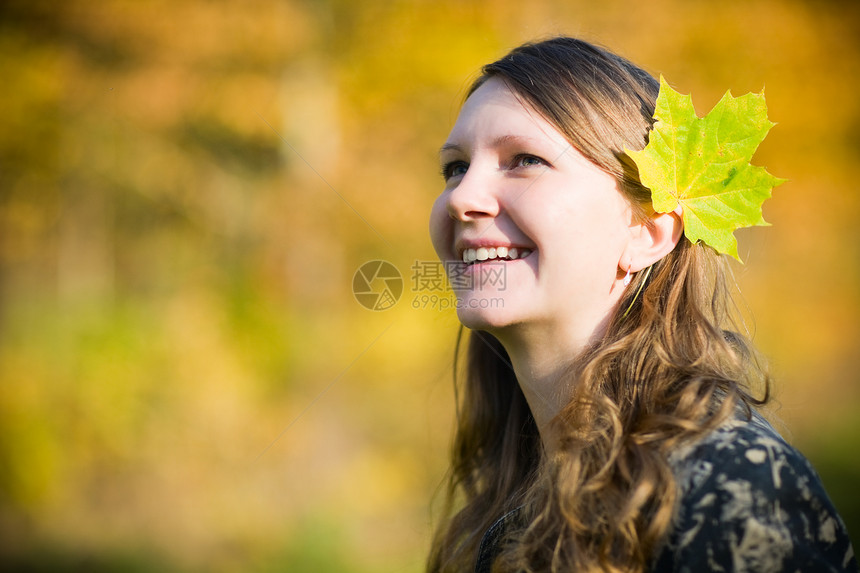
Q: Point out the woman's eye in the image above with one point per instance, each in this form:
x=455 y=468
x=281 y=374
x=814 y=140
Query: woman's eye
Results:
x=528 y=161
x=454 y=169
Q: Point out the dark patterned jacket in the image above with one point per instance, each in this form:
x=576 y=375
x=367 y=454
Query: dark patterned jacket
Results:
x=750 y=503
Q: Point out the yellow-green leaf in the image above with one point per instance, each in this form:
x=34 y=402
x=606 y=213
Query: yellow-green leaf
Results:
x=703 y=165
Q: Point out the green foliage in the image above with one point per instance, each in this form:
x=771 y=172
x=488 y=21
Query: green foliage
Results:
x=63 y=559
x=317 y=545
x=702 y=164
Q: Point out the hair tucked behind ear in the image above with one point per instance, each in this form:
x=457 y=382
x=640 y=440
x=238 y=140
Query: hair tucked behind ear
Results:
x=670 y=370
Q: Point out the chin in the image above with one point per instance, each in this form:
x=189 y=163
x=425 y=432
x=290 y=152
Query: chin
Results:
x=483 y=313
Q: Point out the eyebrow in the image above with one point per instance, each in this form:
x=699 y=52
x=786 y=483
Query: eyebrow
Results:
x=497 y=142
x=450 y=147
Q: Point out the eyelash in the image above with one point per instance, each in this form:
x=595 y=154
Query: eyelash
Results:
x=448 y=168
x=519 y=158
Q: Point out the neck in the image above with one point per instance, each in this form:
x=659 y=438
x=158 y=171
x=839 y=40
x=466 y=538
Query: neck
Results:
x=544 y=361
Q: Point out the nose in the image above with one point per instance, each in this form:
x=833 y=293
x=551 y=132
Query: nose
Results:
x=474 y=197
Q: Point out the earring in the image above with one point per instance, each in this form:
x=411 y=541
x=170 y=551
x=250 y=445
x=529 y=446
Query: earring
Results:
x=641 y=286
x=628 y=277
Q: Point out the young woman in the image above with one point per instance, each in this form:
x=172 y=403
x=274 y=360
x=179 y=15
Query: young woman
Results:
x=607 y=421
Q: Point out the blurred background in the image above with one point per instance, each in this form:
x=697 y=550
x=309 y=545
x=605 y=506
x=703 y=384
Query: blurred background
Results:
x=187 y=188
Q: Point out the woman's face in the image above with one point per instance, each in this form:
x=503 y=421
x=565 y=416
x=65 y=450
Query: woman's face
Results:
x=513 y=182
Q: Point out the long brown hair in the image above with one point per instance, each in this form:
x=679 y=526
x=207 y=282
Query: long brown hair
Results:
x=670 y=366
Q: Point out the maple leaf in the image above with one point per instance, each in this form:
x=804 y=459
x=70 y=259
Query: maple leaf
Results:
x=703 y=165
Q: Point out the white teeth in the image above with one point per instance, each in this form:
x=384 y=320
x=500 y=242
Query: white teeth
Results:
x=492 y=253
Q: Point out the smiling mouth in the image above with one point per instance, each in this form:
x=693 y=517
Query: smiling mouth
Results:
x=479 y=255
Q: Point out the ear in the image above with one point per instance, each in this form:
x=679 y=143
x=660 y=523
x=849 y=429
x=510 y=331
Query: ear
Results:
x=651 y=240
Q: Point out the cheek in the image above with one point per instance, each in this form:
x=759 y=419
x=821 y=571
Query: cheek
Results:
x=584 y=237
x=441 y=228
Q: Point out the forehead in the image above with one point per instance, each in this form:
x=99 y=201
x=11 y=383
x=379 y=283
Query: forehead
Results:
x=494 y=110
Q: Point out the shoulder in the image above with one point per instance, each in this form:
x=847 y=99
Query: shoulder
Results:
x=751 y=502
